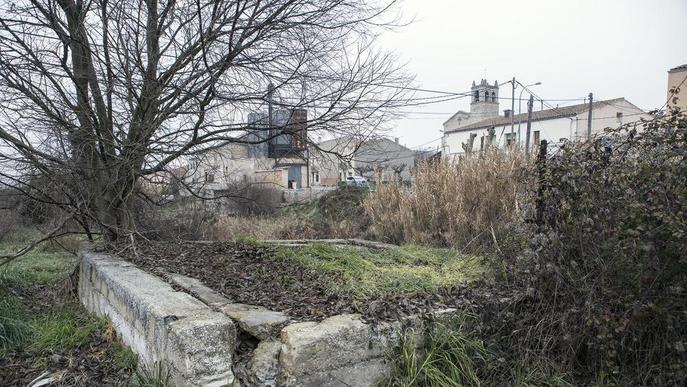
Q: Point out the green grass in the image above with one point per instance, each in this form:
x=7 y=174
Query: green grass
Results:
x=63 y=330
x=451 y=356
x=40 y=328
x=404 y=269
x=125 y=358
x=14 y=328
x=58 y=326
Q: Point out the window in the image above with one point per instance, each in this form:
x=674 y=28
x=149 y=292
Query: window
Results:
x=493 y=96
x=476 y=95
x=481 y=143
x=510 y=139
x=619 y=117
x=209 y=177
x=316 y=177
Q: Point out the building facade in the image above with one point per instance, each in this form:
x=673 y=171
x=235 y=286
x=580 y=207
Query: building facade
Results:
x=272 y=152
x=484 y=127
x=677 y=87
x=339 y=158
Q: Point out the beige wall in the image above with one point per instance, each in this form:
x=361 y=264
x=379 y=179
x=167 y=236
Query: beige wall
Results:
x=674 y=79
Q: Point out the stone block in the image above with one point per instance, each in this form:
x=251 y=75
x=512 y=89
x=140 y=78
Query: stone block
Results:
x=335 y=342
x=362 y=374
x=257 y=321
x=263 y=367
x=199 y=349
x=160 y=324
x=198 y=290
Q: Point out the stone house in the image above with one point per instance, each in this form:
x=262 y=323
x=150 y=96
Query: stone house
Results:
x=338 y=158
x=483 y=126
x=276 y=156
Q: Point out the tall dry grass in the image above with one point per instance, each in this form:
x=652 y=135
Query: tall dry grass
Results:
x=262 y=227
x=470 y=204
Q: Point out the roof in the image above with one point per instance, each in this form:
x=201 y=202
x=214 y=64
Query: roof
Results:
x=455 y=114
x=548 y=114
x=678 y=68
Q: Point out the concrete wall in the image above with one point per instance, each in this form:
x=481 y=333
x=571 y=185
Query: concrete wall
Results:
x=164 y=327
x=195 y=337
x=302 y=195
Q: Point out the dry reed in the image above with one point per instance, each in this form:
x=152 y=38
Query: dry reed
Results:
x=468 y=204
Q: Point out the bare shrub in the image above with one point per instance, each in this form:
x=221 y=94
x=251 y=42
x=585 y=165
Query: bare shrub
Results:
x=612 y=253
x=255 y=198
x=337 y=214
x=341 y=213
x=260 y=227
x=11 y=223
x=474 y=203
x=186 y=219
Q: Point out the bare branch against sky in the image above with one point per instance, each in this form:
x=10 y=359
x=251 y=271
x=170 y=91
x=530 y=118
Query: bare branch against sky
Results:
x=613 y=48
x=96 y=94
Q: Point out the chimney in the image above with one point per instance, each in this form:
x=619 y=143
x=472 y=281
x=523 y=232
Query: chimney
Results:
x=507 y=113
x=396 y=139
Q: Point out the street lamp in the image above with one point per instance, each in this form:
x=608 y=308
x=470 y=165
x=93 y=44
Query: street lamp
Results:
x=524 y=87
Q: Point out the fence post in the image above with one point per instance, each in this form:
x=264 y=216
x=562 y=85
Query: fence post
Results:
x=541 y=171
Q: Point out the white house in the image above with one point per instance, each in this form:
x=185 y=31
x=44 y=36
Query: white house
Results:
x=469 y=132
x=336 y=159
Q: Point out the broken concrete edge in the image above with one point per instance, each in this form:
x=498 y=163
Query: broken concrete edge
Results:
x=339 y=350
x=344 y=350
x=257 y=321
x=196 y=332
x=170 y=330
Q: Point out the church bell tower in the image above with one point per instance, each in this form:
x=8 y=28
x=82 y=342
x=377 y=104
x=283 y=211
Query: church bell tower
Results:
x=485 y=100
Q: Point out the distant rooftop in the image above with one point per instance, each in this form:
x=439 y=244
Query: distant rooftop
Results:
x=548 y=114
x=678 y=68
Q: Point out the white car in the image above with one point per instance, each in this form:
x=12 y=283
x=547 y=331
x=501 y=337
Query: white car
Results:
x=357 y=181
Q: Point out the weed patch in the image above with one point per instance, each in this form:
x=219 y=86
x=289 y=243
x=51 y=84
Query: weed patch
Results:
x=14 y=330
x=452 y=356
x=407 y=269
x=44 y=329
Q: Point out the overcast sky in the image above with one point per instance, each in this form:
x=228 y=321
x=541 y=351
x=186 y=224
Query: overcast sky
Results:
x=613 y=48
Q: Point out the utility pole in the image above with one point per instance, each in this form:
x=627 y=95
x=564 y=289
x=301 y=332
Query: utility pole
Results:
x=529 y=126
x=270 y=91
x=512 y=109
x=589 y=117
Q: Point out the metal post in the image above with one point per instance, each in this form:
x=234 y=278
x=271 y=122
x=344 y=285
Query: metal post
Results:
x=512 y=109
x=589 y=117
x=529 y=125
x=541 y=169
x=270 y=91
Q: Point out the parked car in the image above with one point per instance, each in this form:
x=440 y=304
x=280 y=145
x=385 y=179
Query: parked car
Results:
x=357 y=181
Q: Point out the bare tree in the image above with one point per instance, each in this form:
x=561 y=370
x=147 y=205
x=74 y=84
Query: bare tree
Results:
x=95 y=94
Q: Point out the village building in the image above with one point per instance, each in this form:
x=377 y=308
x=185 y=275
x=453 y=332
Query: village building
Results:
x=677 y=80
x=267 y=154
x=374 y=158
x=483 y=126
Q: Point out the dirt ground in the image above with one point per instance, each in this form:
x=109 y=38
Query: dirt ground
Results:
x=249 y=273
